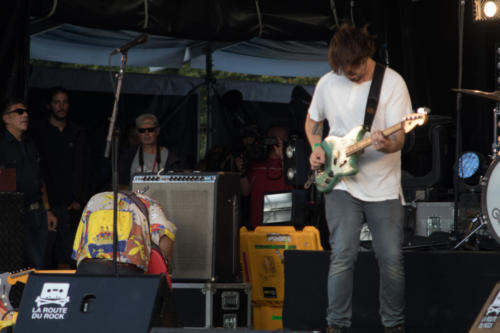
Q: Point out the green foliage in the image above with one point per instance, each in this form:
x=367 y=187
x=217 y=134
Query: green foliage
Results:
x=185 y=70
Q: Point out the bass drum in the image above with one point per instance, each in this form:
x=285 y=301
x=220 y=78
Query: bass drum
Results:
x=490 y=199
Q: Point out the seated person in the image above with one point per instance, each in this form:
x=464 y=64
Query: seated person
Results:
x=93 y=246
x=264 y=176
x=148 y=155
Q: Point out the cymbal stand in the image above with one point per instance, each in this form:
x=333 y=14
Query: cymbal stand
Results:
x=482 y=222
x=496 y=125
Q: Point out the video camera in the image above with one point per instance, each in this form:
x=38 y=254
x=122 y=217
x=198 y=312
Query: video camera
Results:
x=260 y=145
x=259 y=150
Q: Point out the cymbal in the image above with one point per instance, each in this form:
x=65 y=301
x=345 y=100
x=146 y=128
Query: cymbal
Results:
x=494 y=95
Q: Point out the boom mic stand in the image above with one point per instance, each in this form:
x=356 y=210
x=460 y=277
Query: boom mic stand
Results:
x=112 y=138
x=112 y=143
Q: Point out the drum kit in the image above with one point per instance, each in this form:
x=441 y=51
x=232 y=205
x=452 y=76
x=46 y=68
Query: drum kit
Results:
x=490 y=182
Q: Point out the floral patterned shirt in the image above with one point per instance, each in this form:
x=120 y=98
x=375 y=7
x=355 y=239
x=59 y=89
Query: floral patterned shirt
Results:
x=94 y=236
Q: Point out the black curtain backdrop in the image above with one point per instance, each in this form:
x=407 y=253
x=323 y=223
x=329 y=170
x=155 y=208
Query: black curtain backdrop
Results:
x=14 y=49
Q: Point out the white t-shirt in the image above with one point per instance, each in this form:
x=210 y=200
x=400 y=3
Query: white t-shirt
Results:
x=342 y=103
x=149 y=162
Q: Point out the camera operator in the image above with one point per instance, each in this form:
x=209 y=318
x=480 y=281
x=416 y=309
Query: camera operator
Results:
x=263 y=175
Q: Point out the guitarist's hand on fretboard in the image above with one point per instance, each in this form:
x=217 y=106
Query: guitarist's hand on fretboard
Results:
x=379 y=141
x=317 y=158
x=386 y=143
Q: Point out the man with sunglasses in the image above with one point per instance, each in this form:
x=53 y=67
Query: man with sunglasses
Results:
x=18 y=151
x=149 y=155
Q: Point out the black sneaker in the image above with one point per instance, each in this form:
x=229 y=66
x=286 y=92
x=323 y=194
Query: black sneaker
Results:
x=395 y=329
x=337 y=329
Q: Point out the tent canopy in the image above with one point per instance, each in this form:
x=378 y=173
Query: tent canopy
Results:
x=280 y=38
x=212 y=20
x=91 y=46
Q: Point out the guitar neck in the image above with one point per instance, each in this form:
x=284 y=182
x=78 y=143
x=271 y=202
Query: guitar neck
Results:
x=366 y=142
x=23 y=276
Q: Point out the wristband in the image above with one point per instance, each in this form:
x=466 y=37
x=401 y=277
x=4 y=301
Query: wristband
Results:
x=316 y=145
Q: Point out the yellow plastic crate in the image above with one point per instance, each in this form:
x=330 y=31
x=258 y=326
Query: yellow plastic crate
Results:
x=267 y=317
x=262 y=257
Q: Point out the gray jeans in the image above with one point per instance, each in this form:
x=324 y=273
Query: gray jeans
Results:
x=345 y=216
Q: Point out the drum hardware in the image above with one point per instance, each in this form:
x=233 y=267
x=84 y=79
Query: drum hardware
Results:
x=494 y=95
x=482 y=222
x=496 y=144
x=490 y=194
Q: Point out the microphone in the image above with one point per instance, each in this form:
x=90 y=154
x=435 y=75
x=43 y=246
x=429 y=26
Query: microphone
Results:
x=141 y=39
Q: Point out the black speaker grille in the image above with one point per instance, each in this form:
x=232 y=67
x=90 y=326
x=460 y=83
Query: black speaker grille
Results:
x=12 y=231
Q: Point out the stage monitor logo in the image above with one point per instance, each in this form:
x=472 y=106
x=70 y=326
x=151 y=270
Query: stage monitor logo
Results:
x=51 y=304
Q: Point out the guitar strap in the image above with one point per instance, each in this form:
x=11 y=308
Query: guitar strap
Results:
x=142 y=207
x=138 y=202
x=373 y=96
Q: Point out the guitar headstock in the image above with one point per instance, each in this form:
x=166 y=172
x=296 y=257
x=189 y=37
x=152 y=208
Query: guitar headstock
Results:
x=20 y=276
x=415 y=119
x=23 y=275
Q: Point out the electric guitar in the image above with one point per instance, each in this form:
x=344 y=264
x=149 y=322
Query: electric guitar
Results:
x=342 y=153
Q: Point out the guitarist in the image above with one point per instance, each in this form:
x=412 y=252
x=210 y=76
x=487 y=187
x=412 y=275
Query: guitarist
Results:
x=374 y=193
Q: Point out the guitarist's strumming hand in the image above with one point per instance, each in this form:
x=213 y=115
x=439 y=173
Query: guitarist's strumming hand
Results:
x=317 y=158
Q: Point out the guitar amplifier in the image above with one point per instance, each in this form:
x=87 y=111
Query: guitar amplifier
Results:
x=204 y=207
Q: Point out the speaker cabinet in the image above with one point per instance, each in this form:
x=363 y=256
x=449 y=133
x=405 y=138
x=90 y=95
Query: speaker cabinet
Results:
x=296 y=161
x=204 y=207
x=61 y=303
x=12 y=234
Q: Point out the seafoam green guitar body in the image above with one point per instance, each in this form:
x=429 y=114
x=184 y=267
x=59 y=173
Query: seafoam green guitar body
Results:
x=338 y=162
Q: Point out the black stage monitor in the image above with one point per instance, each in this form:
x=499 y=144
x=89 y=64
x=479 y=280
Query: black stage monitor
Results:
x=60 y=303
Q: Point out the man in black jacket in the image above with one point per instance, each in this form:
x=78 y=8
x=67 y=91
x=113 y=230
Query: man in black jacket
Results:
x=64 y=149
x=18 y=151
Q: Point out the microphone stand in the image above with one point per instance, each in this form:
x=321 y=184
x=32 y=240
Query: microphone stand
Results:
x=112 y=143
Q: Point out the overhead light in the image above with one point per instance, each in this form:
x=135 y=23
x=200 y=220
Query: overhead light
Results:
x=490 y=9
x=486 y=10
